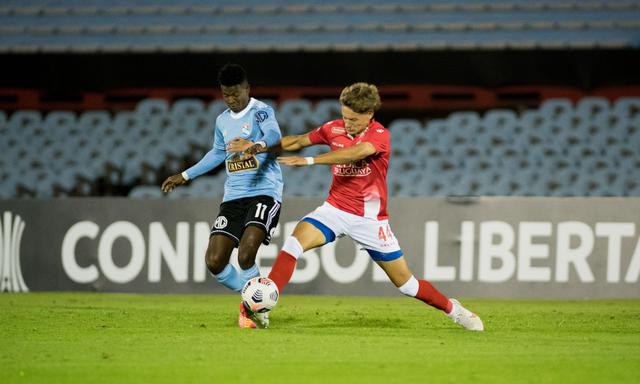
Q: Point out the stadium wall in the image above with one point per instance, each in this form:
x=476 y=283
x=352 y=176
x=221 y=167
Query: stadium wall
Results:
x=62 y=74
x=486 y=247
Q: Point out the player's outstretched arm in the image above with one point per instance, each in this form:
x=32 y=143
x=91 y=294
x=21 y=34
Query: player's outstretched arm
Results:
x=171 y=182
x=212 y=159
x=295 y=142
x=288 y=143
x=340 y=156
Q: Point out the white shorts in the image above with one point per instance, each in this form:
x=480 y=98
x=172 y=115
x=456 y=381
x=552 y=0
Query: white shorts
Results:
x=375 y=236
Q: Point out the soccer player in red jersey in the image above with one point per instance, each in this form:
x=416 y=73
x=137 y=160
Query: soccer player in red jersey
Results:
x=357 y=203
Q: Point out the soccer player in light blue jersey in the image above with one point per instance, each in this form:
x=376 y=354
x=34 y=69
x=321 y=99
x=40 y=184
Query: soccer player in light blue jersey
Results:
x=253 y=191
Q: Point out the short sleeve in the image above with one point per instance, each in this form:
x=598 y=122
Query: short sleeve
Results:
x=380 y=140
x=319 y=135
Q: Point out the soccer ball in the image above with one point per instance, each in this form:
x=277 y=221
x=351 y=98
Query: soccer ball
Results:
x=260 y=294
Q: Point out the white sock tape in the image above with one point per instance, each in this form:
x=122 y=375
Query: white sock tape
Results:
x=292 y=246
x=410 y=288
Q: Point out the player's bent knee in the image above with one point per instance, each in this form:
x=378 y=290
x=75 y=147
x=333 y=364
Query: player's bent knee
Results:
x=246 y=258
x=410 y=288
x=215 y=261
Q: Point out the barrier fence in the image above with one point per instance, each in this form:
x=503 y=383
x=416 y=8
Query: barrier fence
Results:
x=485 y=247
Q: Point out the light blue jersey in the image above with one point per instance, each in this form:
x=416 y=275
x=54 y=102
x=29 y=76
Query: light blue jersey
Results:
x=259 y=175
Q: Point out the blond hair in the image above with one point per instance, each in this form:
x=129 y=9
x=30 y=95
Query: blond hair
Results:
x=361 y=97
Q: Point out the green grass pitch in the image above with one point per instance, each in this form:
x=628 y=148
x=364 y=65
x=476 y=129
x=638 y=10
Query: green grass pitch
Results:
x=120 y=338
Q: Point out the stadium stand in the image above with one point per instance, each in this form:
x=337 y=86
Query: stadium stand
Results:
x=318 y=25
x=591 y=148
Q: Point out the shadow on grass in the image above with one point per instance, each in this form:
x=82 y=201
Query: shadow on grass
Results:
x=342 y=320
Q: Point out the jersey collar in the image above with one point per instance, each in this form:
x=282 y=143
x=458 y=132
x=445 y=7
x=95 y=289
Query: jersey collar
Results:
x=361 y=133
x=246 y=109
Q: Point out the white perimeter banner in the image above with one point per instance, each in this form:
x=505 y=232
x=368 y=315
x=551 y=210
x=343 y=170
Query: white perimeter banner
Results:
x=484 y=247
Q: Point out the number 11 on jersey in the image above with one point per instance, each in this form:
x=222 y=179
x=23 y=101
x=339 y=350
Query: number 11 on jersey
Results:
x=260 y=210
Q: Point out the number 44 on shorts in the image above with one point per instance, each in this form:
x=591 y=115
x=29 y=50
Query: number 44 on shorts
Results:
x=384 y=233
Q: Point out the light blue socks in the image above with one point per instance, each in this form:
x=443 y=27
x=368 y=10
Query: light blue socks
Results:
x=230 y=278
x=248 y=274
x=234 y=280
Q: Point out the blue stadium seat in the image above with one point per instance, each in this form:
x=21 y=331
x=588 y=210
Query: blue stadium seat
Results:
x=592 y=106
x=467 y=122
x=632 y=187
x=410 y=127
x=533 y=120
x=554 y=153
x=202 y=187
x=326 y=110
x=553 y=108
x=94 y=121
x=294 y=116
x=501 y=121
x=23 y=120
x=628 y=107
x=120 y=26
x=152 y=107
x=215 y=108
x=187 y=107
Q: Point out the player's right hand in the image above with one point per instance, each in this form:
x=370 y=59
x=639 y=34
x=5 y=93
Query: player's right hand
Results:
x=172 y=181
x=238 y=145
x=254 y=150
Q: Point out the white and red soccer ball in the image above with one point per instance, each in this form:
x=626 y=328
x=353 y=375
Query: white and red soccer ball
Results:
x=260 y=294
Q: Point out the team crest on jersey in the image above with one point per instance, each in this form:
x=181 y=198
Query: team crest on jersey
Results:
x=358 y=168
x=337 y=130
x=261 y=116
x=246 y=129
x=220 y=222
x=235 y=164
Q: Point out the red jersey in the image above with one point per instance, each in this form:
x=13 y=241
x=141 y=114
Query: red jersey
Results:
x=359 y=187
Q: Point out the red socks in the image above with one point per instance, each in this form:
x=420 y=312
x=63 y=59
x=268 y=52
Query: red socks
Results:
x=285 y=265
x=429 y=295
x=282 y=269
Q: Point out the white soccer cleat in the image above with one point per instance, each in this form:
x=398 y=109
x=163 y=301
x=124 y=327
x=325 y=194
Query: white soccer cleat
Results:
x=261 y=319
x=464 y=317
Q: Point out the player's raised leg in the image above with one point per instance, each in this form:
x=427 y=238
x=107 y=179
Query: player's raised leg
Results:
x=402 y=277
x=308 y=234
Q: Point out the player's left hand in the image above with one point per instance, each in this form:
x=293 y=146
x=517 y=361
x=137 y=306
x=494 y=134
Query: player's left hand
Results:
x=172 y=181
x=238 y=145
x=295 y=161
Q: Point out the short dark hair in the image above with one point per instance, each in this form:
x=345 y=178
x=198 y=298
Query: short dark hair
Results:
x=231 y=74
